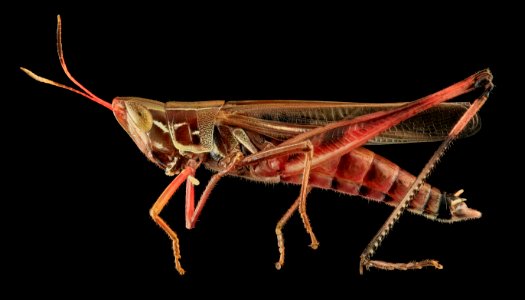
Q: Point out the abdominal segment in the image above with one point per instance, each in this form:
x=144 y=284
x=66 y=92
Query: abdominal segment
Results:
x=361 y=172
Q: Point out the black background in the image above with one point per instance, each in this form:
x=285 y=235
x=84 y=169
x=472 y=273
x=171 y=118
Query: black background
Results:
x=80 y=218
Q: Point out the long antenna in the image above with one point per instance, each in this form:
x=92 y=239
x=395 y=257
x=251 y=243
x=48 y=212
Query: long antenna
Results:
x=86 y=92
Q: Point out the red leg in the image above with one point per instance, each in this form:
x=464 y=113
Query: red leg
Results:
x=190 y=201
x=192 y=213
x=279 y=229
x=237 y=161
x=161 y=203
x=484 y=79
x=305 y=147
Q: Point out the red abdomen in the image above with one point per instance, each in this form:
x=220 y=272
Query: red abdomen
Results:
x=362 y=172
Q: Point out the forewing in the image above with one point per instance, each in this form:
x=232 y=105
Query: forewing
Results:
x=282 y=119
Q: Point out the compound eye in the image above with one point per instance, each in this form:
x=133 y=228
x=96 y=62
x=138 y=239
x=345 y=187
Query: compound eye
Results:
x=140 y=116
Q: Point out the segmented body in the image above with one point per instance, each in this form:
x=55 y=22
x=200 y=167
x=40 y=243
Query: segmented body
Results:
x=365 y=173
x=356 y=171
x=359 y=172
x=311 y=143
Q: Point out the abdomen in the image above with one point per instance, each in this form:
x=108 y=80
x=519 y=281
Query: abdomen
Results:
x=364 y=173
